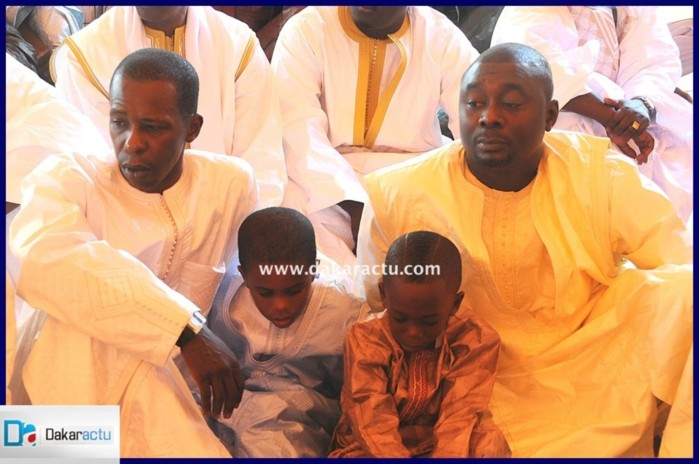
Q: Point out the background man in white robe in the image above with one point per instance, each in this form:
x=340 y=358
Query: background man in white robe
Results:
x=615 y=71
x=359 y=89
x=120 y=257
x=238 y=99
x=45 y=28
x=39 y=123
x=578 y=262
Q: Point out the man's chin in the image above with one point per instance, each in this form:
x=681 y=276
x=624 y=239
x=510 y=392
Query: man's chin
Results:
x=494 y=160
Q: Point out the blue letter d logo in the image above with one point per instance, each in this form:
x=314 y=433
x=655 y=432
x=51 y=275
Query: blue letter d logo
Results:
x=16 y=431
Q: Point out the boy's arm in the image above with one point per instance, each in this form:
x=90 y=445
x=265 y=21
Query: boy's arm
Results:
x=467 y=387
x=366 y=401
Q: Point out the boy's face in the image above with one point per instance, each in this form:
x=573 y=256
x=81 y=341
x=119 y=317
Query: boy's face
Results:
x=280 y=298
x=417 y=311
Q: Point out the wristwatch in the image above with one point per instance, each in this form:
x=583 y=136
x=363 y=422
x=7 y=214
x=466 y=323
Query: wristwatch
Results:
x=649 y=105
x=193 y=327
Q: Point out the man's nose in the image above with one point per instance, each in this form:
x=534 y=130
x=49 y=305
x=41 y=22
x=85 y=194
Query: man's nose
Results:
x=490 y=116
x=134 y=141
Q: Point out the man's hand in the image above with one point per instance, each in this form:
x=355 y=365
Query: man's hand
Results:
x=643 y=140
x=216 y=372
x=645 y=143
x=629 y=119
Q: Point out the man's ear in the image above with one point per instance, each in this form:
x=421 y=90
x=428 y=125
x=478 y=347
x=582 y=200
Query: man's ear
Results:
x=457 y=303
x=551 y=114
x=195 y=123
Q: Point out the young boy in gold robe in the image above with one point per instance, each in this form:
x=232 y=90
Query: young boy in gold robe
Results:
x=418 y=377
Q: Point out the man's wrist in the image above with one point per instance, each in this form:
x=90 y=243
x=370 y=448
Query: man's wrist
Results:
x=193 y=327
x=649 y=106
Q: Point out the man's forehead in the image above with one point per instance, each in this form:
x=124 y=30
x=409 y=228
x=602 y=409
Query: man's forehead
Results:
x=480 y=73
x=125 y=84
x=151 y=99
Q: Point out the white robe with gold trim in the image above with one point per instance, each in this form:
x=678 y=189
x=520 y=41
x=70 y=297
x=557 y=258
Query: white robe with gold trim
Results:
x=241 y=117
x=39 y=122
x=322 y=60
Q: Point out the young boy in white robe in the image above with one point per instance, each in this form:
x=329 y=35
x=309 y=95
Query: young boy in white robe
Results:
x=287 y=328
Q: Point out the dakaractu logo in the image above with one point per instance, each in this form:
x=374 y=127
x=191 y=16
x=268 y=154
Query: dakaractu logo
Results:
x=18 y=433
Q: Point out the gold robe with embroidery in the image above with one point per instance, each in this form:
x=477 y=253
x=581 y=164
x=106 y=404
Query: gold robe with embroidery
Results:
x=428 y=403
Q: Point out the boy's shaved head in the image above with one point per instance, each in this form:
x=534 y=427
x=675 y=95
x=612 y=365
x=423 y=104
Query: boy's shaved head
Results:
x=420 y=288
x=410 y=255
x=276 y=236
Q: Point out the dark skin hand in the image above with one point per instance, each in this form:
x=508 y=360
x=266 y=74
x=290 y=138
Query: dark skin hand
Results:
x=9 y=207
x=684 y=95
x=626 y=112
x=644 y=141
x=591 y=106
x=620 y=130
x=216 y=372
x=617 y=117
x=354 y=209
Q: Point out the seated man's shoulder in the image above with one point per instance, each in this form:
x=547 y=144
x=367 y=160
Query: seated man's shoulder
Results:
x=430 y=14
x=419 y=169
x=574 y=139
x=111 y=18
x=77 y=175
x=438 y=26
x=314 y=13
x=224 y=165
x=572 y=146
x=80 y=163
x=312 y=20
x=221 y=176
x=219 y=17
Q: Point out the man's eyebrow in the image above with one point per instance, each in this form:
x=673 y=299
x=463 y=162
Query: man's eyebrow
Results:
x=512 y=86
x=473 y=85
x=506 y=86
x=154 y=120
